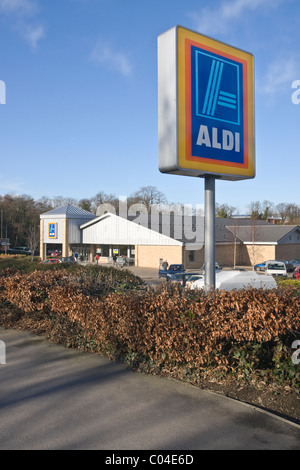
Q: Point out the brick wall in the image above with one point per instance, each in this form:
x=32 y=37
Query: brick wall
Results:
x=147 y=256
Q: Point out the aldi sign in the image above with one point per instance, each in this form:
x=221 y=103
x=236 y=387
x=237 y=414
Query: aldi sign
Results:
x=205 y=107
x=52 y=230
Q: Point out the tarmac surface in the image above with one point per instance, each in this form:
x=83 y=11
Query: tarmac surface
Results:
x=53 y=398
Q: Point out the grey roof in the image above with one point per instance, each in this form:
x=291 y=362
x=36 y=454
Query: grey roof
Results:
x=226 y=228
x=269 y=233
x=187 y=228
x=69 y=211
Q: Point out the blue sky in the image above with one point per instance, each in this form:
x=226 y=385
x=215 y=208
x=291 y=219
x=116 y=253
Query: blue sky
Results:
x=81 y=95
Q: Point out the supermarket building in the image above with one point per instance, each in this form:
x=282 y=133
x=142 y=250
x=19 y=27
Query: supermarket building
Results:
x=148 y=240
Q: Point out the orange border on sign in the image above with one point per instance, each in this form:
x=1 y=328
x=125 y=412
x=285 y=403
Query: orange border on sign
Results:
x=188 y=108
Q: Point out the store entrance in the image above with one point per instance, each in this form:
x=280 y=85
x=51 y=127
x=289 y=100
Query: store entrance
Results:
x=84 y=253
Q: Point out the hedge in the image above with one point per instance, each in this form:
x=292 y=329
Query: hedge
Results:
x=184 y=334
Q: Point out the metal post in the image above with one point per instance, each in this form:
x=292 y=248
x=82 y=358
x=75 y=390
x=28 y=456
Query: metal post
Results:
x=209 y=235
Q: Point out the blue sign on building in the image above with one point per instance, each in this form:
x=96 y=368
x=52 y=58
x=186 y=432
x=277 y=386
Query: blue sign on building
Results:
x=52 y=230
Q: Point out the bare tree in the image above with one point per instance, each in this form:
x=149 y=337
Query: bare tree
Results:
x=224 y=211
x=33 y=239
x=148 y=196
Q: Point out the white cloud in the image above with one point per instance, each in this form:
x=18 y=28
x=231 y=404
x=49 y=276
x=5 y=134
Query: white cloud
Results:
x=279 y=76
x=103 y=54
x=20 y=14
x=219 y=19
x=20 y=7
x=34 y=34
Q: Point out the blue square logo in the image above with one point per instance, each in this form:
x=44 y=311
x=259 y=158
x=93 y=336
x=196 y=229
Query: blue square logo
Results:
x=52 y=230
x=220 y=98
x=216 y=106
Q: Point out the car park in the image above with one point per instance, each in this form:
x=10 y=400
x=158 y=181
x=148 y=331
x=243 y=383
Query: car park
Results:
x=173 y=269
x=238 y=280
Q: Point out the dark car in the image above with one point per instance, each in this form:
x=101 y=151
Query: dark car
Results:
x=19 y=250
x=295 y=262
x=290 y=268
x=173 y=269
x=181 y=278
x=67 y=259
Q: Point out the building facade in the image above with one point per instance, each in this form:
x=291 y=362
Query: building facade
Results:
x=147 y=241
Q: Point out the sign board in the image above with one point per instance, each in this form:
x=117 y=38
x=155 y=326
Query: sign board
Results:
x=205 y=107
x=52 y=230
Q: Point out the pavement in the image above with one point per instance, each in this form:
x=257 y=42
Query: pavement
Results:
x=54 y=398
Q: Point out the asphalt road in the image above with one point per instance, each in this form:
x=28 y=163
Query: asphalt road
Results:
x=57 y=398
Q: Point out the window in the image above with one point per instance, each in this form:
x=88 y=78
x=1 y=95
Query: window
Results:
x=192 y=256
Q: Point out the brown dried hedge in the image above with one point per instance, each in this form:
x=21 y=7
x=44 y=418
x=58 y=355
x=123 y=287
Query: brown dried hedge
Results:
x=172 y=331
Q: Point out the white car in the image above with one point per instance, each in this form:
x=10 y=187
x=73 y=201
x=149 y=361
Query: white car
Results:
x=276 y=268
x=236 y=280
x=192 y=279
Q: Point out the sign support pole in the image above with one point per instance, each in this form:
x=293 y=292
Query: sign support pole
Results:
x=209 y=234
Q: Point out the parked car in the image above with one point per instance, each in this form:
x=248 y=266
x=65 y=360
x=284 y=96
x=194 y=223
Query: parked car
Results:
x=260 y=266
x=193 y=278
x=181 y=278
x=297 y=273
x=217 y=266
x=23 y=250
x=290 y=268
x=56 y=253
x=237 y=280
x=19 y=250
x=66 y=259
x=51 y=261
x=173 y=269
x=295 y=262
x=276 y=268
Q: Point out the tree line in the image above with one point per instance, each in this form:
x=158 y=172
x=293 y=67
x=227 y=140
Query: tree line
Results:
x=284 y=212
x=20 y=214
